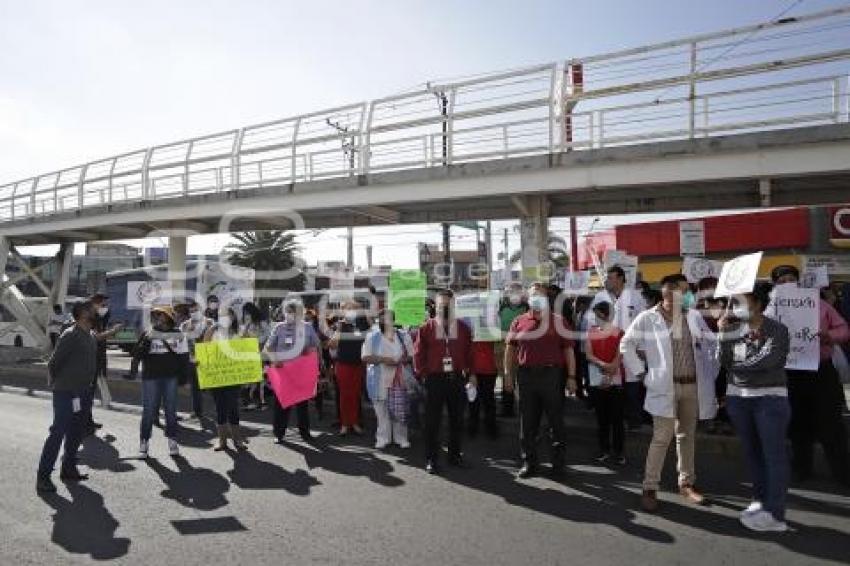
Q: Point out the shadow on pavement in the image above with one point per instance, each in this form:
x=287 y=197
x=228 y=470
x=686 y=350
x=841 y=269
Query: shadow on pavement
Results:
x=198 y=488
x=321 y=454
x=99 y=453
x=249 y=472
x=83 y=524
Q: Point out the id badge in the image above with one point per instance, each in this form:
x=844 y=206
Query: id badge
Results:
x=447 y=364
x=739 y=352
x=76 y=406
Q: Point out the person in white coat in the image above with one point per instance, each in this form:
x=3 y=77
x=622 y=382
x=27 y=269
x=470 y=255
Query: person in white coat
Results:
x=675 y=352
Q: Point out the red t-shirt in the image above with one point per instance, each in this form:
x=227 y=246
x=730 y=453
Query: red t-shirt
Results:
x=540 y=342
x=484 y=358
x=604 y=344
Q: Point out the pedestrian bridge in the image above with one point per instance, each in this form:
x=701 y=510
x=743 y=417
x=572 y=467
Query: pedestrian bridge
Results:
x=755 y=116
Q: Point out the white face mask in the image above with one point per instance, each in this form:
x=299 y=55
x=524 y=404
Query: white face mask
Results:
x=538 y=303
x=101 y=311
x=224 y=321
x=351 y=316
x=515 y=300
x=741 y=312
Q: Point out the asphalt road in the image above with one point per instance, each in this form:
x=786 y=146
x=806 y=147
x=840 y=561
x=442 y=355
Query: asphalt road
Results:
x=340 y=502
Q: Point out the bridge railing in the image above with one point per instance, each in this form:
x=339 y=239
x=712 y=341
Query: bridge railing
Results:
x=781 y=74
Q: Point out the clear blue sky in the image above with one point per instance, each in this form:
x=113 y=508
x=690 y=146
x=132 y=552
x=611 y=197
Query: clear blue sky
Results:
x=84 y=80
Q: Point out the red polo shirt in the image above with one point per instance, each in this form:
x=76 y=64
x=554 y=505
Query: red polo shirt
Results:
x=431 y=346
x=538 y=343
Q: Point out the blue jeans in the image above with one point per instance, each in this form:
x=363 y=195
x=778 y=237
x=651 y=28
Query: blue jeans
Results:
x=762 y=425
x=68 y=426
x=155 y=392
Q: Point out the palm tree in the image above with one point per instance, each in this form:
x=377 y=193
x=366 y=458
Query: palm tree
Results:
x=556 y=252
x=274 y=255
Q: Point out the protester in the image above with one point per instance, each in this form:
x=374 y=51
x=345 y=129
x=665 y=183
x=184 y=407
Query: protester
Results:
x=754 y=349
x=540 y=348
x=254 y=326
x=56 y=323
x=194 y=329
x=103 y=332
x=164 y=354
x=484 y=368
x=226 y=398
x=817 y=398
x=289 y=339
x=350 y=372
x=513 y=304
x=443 y=360
x=71 y=369
x=213 y=304
x=678 y=364
x=605 y=375
x=581 y=318
x=389 y=351
x=628 y=304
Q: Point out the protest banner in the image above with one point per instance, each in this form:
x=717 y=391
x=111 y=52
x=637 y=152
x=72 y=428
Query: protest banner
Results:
x=815 y=277
x=696 y=268
x=295 y=380
x=481 y=312
x=738 y=275
x=228 y=362
x=408 y=290
x=799 y=310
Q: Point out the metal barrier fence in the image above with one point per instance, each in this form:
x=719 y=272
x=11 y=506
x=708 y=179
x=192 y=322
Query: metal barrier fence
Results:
x=781 y=74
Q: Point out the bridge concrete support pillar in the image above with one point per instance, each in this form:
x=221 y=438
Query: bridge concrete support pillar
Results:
x=5 y=247
x=177 y=265
x=59 y=289
x=534 y=236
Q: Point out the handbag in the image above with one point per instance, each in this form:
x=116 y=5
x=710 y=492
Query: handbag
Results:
x=397 y=399
x=414 y=388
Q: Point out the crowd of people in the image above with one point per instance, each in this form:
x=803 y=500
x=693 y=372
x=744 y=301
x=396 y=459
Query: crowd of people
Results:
x=669 y=357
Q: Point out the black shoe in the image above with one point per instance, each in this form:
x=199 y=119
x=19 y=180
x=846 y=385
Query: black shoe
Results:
x=72 y=475
x=527 y=471
x=96 y=426
x=558 y=471
x=472 y=431
x=432 y=468
x=45 y=485
x=307 y=437
x=458 y=462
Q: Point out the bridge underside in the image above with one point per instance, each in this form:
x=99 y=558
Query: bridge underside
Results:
x=805 y=166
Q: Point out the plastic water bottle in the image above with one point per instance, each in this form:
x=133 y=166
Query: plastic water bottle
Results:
x=471 y=392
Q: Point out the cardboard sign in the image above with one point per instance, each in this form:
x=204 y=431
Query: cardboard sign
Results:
x=295 y=380
x=696 y=268
x=738 y=275
x=228 y=362
x=815 y=277
x=799 y=310
x=481 y=312
x=408 y=289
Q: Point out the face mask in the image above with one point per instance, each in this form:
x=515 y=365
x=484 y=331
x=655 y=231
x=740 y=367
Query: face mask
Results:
x=224 y=321
x=213 y=306
x=688 y=301
x=515 y=300
x=350 y=316
x=289 y=317
x=741 y=312
x=101 y=311
x=538 y=303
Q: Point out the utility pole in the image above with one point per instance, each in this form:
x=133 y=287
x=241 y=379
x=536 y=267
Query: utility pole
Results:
x=573 y=244
x=443 y=106
x=350 y=255
x=349 y=150
x=507 y=257
x=488 y=247
x=369 y=257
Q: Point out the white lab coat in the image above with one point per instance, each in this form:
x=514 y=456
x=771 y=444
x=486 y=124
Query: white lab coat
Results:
x=626 y=307
x=649 y=334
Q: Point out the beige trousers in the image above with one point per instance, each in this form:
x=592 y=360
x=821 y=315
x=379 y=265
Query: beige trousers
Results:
x=683 y=426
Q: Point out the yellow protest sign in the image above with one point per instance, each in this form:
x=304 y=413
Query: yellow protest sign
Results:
x=228 y=362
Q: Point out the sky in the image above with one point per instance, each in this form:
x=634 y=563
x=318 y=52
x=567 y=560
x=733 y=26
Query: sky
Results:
x=86 y=80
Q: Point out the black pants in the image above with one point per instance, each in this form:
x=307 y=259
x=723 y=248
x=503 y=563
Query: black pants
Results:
x=540 y=391
x=197 y=392
x=227 y=404
x=609 y=406
x=487 y=400
x=443 y=389
x=281 y=418
x=817 y=402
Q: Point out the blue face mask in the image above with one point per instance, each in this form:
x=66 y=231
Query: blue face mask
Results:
x=538 y=303
x=688 y=301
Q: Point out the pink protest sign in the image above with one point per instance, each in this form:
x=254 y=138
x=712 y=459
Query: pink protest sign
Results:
x=295 y=380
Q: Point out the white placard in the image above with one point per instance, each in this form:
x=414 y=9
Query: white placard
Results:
x=628 y=263
x=738 y=275
x=799 y=310
x=815 y=277
x=145 y=294
x=696 y=268
x=576 y=282
x=692 y=237
x=481 y=312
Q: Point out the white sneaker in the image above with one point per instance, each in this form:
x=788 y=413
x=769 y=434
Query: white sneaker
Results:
x=404 y=445
x=762 y=521
x=753 y=508
x=173 y=448
x=143 y=449
x=380 y=445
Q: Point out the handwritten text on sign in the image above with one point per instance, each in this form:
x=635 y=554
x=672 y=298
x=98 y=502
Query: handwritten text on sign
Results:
x=799 y=310
x=228 y=362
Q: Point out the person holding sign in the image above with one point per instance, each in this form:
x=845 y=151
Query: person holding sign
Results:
x=539 y=344
x=678 y=364
x=753 y=349
x=817 y=397
x=288 y=340
x=226 y=398
x=443 y=359
x=164 y=354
